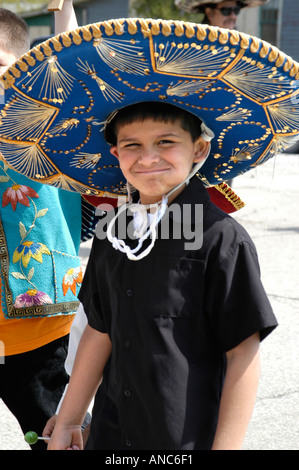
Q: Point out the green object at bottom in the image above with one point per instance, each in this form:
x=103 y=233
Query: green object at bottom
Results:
x=31 y=437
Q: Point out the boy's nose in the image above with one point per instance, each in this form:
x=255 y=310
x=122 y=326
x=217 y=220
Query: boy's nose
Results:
x=148 y=157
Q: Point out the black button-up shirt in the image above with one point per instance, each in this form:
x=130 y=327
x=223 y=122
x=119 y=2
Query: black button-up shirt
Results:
x=171 y=317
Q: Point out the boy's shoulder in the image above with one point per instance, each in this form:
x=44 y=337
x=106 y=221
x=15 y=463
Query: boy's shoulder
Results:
x=225 y=238
x=218 y=220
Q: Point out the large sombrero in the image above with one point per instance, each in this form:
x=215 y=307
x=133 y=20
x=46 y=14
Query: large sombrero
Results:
x=198 y=6
x=58 y=97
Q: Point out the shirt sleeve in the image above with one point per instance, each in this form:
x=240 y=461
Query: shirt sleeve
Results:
x=236 y=301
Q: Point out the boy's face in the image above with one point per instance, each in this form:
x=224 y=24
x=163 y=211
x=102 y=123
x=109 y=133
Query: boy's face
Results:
x=155 y=157
x=6 y=60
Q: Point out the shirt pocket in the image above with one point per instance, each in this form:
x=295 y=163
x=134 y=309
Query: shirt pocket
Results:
x=177 y=287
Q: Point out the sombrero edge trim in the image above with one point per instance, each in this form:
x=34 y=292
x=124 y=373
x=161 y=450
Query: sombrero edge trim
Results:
x=151 y=28
x=230 y=195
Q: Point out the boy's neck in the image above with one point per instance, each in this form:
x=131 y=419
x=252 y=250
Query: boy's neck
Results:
x=148 y=200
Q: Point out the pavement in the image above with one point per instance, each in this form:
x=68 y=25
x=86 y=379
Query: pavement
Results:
x=271 y=216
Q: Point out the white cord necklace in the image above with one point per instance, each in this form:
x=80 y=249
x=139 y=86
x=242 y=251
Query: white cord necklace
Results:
x=140 y=231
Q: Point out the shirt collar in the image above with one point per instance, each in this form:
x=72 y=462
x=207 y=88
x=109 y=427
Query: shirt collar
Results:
x=194 y=193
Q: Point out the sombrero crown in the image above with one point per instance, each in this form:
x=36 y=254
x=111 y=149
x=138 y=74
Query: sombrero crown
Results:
x=58 y=97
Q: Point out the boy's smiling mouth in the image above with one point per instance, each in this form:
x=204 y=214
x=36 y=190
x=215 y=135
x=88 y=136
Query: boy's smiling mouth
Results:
x=152 y=170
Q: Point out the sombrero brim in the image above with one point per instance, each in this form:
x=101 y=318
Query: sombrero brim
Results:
x=58 y=96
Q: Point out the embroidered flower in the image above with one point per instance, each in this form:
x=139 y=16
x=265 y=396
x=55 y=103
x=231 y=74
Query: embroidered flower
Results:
x=70 y=280
x=32 y=297
x=27 y=250
x=18 y=193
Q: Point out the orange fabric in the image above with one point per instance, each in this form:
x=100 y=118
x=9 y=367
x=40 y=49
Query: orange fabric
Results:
x=22 y=335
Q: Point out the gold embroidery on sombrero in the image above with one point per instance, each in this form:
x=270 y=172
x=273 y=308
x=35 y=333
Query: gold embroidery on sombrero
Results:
x=282 y=116
x=185 y=87
x=48 y=136
x=148 y=87
x=120 y=188
x=24 y=118
x=237 y=114
x=249 y=77
x=65 y=182
x=57 y=82
x=234 y=99
x=82 y=108
x=122 y=55
x=86 y=160
x=64 y=125
x=277 y=145
x=184 y=59
x=262 y=133
x=245 y=153
x=27 y=159
x=107 y=90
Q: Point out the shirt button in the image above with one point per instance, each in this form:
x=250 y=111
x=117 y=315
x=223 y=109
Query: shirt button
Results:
x=127 y=393
x=129 y=292
x=127 y=344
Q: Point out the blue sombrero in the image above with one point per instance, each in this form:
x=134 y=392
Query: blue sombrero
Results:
x=58 y=97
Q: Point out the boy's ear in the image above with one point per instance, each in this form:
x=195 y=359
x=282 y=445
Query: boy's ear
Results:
x=202 y=150
x=114 y=151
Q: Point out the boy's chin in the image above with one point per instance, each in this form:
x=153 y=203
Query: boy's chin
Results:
x=153 y=198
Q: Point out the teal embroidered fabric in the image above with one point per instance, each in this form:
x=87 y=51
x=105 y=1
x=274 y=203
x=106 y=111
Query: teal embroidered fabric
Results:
x=40 y=234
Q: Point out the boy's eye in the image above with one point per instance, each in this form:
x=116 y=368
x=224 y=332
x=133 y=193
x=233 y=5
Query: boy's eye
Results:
x=131 y=145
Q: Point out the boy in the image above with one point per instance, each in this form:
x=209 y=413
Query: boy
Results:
x=173 y=331
x=35 y=322
x=11 y=50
